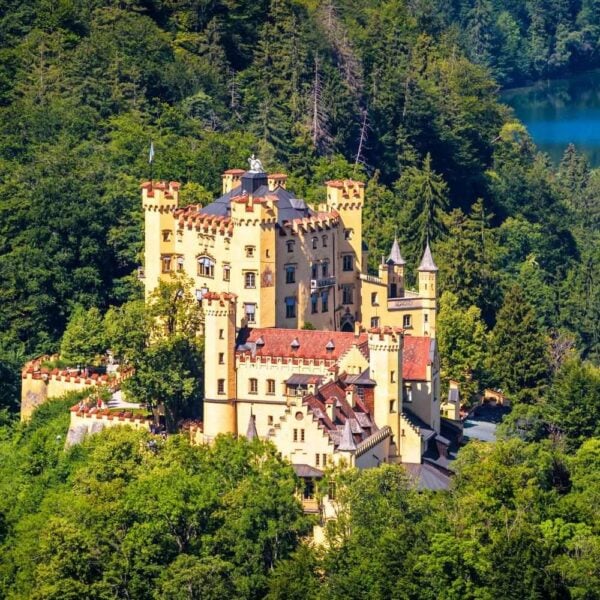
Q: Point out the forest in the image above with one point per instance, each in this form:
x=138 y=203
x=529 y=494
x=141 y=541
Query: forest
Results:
x=401 y=94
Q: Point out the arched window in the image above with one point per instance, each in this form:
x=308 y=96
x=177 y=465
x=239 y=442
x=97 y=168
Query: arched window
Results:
x=206 y=266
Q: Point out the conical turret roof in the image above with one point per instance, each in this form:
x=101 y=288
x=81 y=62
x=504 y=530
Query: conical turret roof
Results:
x=347 y=443
x=427 y=263
x=251 y=432
x=395 y=257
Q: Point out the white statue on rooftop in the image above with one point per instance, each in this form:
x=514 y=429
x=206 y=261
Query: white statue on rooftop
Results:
x=255 y=165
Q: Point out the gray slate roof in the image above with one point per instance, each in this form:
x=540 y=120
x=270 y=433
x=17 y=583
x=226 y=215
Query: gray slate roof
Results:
x=427 y=263
x=395 y=257
x=289 y=206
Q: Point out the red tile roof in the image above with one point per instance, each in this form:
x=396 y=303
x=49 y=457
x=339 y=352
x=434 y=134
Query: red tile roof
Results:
x=278 y=342
x=415 y=357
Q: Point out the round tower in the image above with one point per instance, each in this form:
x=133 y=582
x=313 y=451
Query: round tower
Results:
x=385 y=367
x=428 y=291
x=159 y=200
x=219 y=365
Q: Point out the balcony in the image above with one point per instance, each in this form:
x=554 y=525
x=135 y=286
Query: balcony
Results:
x=317 y=284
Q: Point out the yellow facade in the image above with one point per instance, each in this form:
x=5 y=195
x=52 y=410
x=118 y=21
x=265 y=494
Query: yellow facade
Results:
x=289 y=265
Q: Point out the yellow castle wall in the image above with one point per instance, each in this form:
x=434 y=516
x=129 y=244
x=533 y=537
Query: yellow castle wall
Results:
x=36 y=390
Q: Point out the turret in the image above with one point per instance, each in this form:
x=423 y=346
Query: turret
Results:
x=428 y=290
x=392 y=271
x=159 y=200
x=385 y=364
x=231 y=179
x=347 y=198
x=219 y=365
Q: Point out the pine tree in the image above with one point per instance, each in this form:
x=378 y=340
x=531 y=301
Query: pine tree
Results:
x=518 y=350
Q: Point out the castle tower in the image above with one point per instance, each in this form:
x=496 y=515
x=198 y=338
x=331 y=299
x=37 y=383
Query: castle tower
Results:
x=253 y=250
x=159 y=200
x=231 y=179
x=219 y=365
x=428 y=291
x=347 y=198
x=392 y=271
x=385 y=364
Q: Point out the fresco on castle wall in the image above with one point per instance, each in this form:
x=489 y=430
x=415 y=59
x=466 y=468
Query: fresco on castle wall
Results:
x=266 y=279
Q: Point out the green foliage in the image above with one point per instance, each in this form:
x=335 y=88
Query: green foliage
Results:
x=462 y=340
x=116 y=517
x=84 y=338
x=518 y=355
x=160 y=340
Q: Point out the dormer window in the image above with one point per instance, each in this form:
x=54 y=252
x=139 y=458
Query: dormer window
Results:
x=260 y=342
x=330 y=346
x=295 y=344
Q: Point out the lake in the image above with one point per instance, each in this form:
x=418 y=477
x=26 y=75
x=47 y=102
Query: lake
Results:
x=560 y=112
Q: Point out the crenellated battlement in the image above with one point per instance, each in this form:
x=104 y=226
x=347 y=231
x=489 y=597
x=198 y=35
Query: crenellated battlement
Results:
x=160 y=196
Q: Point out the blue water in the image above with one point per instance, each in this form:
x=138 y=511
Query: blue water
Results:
x=561 y=112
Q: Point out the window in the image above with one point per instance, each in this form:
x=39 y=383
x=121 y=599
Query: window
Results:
x=295 y=435
x=374 y=321
x=226 y=273
x=290 y=245
x=315 y=243
x=347 y=262
x=314 y=271
x=166 y=235
x=324 y=239
x=250 y=311
x=221 y=334
x=302 y=435
x=317 y=459
x=392 y=406
x=374 y=299
x=347 y=294
x=221 y=358
x=220 y=386
x=166 y=264
x=290 y=274
x=267 y=253
x=270 y=420
x=331 y=491
x=348 y=233
x=180 y=263
x=206 y=266
x=324 y=460
x=325 y=301
x=407 y=321
x=270 y=386
x=290 y=307
x=407 y=392
x=425 y=318
x=325 y=268
x=253 y=386
x=314 y=303
x=250 y=251
x=250 y=280
x=392 y=376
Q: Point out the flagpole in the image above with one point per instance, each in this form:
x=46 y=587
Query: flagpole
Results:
x=151 y=159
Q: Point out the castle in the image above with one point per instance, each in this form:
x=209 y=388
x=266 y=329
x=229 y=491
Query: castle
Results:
x=289 y=265
x=303 y=346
